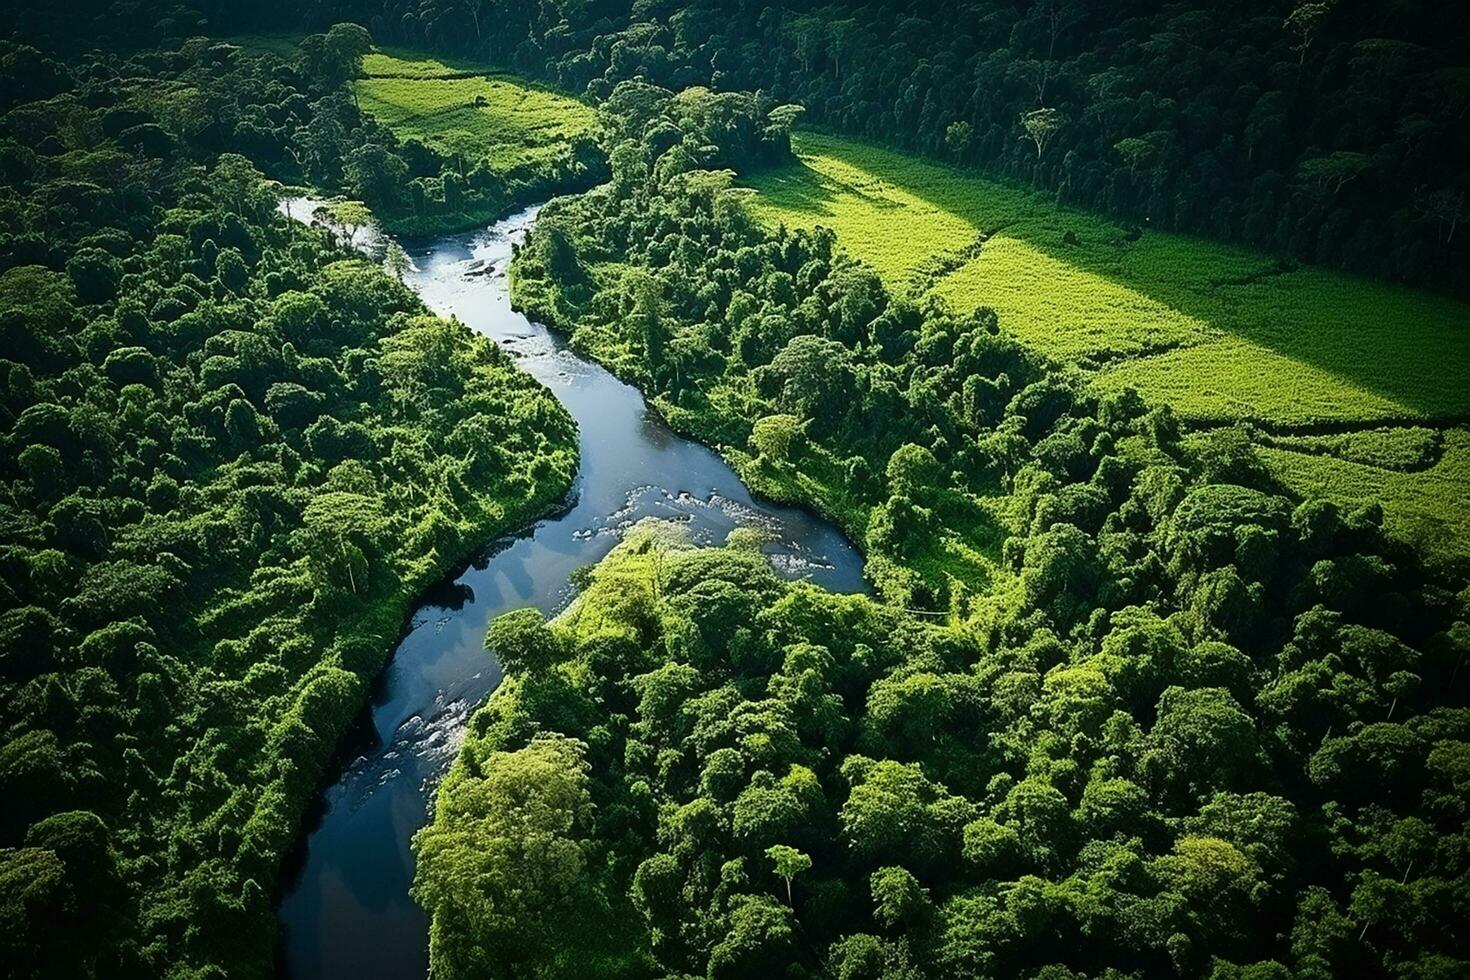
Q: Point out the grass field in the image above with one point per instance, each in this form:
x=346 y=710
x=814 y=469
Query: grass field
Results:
x=459 y=108
x=1222 y=334
x=1219 y=332
x=1424 y=506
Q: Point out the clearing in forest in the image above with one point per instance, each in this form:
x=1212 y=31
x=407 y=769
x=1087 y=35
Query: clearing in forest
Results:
x=1423 y=492
x=1221 y=333
x=459 y=108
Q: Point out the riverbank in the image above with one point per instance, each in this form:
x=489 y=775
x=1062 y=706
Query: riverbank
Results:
x=346 y=913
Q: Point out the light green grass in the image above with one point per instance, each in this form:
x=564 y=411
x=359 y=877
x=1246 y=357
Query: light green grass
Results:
x=1065 y=311
x=457 y=108
x=1425 y=507
x=435 y=100
x=1219 y=332
x=1409 y=448
x=1228 y=378
x=404 y=63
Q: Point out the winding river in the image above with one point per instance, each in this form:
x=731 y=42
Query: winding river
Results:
x=345 y=910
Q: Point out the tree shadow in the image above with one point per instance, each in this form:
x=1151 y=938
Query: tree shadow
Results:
x=1406 y=346
x=797 y=187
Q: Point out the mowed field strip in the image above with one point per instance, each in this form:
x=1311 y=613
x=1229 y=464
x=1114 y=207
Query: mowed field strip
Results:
x=462 y=108
x=1220 y=333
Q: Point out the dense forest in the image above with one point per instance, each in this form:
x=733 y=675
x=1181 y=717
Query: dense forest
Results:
x=1328 y=131
x=1175 y=721
x=701 y=771
x=1120 y=704
x=232 y=455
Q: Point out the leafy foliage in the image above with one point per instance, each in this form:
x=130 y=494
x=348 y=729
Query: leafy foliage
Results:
x=1145 y=794
x=501 y=141
x=1127 y=703
x=512 y=125
x=1220 y=333
x=232 y=457
x=1329 y=132
x=1130 y=706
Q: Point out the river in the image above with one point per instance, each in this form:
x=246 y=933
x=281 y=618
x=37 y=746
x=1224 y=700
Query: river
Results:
x=345 y=910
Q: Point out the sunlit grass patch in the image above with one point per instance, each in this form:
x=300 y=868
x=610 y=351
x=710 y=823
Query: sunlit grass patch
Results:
x=1425 y=507
x=459 y=111
x=404 y=63
x=1219 y=331
x=893 y=230
x=1064 y=311
x=1229 y=379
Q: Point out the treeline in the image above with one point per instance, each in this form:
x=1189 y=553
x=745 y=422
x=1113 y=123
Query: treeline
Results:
x=231 y=456
x=1168 y=720
x=295 y=116
x=1330 y=131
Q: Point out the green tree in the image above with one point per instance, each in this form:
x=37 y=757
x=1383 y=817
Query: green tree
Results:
x=899 y=901
x=649 y=316
x=1336 y=170
x=240 y=186
x=1304 y=22
x=522 y=643
x=778 y=438
x=335 y=57
x=397 y=262
x=958 y=136
x=788 y=862
x=759 y=940
x=503 y=870
x=1040 y=125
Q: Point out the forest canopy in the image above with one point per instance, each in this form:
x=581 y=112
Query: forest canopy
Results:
x=1329 y=131
x=703 y=771
x=1124 y=701
x=233 y=453
x=1125 y=706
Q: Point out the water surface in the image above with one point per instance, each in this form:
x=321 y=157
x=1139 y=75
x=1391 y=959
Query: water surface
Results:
x=345 y=910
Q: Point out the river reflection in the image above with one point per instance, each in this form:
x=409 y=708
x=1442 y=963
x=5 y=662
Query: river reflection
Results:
x=345 y=909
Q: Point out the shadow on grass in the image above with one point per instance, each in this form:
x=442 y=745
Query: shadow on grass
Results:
x=798 y=187
x=1410 y=347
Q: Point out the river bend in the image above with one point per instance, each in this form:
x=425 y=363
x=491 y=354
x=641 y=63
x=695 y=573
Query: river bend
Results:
x=345 y=909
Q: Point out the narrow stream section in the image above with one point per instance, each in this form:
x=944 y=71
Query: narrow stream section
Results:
x=345 y=910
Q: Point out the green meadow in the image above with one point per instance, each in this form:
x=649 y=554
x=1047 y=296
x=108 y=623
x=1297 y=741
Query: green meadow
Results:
x=1423 y=504
x=1221 y=333
x=458 y=108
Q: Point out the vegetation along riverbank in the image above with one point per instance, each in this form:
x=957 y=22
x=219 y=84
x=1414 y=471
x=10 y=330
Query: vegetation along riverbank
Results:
x=1129 y=343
